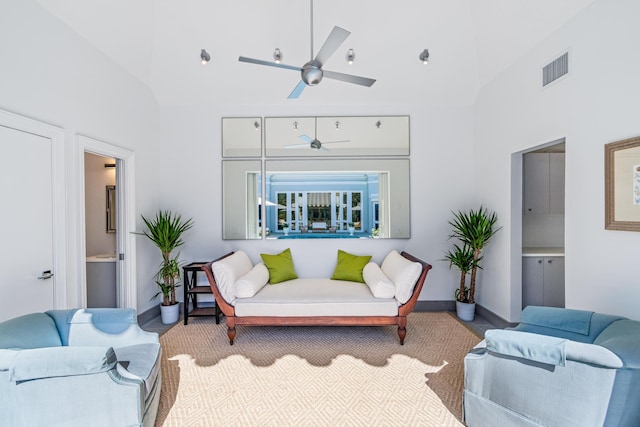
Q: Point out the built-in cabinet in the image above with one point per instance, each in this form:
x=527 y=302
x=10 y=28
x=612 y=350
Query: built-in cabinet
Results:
x=543 y=280
x=543 y=183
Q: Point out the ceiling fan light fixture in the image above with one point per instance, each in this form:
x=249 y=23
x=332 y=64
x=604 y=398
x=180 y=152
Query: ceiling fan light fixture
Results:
x=204 y=56
x=351 y=56
x=277 y=56
x=424 y=56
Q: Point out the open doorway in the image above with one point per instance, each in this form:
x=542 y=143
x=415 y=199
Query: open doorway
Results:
x=543 y=184
x=100 y=230
x=107 y=218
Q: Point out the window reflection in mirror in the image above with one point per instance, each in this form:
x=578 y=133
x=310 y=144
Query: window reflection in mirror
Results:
x=358 y=198
x=335 y=204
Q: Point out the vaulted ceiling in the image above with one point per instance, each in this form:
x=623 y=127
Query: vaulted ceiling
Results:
x=159 y=42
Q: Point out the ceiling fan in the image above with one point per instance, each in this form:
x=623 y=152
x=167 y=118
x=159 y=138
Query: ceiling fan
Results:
x=314 y=143
x=312 y=72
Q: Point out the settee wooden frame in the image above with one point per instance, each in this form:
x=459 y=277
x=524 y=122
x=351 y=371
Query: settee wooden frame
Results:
x=400 y=319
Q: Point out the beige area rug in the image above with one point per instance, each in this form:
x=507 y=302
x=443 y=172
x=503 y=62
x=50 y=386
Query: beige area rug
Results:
x=316 y=375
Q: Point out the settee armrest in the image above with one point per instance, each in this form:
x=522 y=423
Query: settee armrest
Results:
x=50 y=362
x=548 y=349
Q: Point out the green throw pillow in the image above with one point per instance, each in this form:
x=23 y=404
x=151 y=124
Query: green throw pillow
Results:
x=350 y=267
x=280 y=266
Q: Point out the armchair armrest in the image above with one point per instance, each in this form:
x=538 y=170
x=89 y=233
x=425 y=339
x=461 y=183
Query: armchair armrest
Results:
x=50 y=362
x=107 y=327
x=549 y=350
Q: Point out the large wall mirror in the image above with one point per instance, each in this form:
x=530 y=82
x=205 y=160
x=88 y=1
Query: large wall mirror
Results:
x=241 y=136
x=361 y=191
x=241 y=199
x=308 y=199
x=337 y=136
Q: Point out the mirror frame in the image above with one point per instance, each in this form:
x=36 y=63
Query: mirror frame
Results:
x=615 y=187
x=111 y=208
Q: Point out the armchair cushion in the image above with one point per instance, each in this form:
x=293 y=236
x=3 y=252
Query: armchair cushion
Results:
x=576 y=325
x=53 y=362
x=29 y=331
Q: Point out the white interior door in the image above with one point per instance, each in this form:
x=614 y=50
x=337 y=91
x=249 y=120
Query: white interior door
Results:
x=27 y=224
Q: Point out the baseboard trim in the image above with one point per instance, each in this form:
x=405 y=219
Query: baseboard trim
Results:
x=493 y=318
x=149 y=315
x=435 y=306
x=485 y=313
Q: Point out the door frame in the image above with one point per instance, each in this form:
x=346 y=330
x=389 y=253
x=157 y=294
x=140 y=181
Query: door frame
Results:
x=126 y=220
x=61 y=284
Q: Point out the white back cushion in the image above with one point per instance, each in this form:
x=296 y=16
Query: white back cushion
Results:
x=403 y=273
x=228 y=270
x=377 y=281
x=249 y=284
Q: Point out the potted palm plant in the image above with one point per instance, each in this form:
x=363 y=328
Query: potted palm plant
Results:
x=165 y=231
x=473 y=229
x=462 y=258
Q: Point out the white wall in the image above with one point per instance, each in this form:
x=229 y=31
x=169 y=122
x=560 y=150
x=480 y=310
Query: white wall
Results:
x=50 y=74
x=188 y=173
x=596 y=104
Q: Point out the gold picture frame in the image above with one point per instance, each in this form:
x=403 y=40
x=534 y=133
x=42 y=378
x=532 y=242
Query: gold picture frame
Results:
x=622 y=185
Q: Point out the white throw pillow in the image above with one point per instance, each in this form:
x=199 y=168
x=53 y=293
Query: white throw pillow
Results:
x=403 y=273
x=379 y=284
x=249 y=284
x=228 y=270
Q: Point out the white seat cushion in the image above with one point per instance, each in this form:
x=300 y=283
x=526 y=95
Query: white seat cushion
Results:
x=316 y=297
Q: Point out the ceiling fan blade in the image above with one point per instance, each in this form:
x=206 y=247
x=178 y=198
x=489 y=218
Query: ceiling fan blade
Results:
x=333 y=142
x=297 y=91
x=364 y=81
x=305 y=145
x=336 y=38
x=305 y=138
x=268 y=63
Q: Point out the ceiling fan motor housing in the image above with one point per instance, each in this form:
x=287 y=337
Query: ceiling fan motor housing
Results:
x=311 y=73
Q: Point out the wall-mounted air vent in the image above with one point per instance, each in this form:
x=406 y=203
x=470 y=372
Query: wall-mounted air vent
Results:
x=555 y=69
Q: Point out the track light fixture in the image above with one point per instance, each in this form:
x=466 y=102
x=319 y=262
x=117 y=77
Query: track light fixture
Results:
x=351 y=56
x=424 y=56
x=277 y=56
x=204 y=56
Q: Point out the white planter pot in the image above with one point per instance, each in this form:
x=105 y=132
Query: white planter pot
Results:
x=170 y=313
x=465 y=311
x=351 y=230
x=286 y=231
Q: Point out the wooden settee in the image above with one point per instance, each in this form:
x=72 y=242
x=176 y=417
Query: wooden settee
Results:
x=371 y=311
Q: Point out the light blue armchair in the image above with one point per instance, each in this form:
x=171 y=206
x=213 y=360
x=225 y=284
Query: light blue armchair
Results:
x=558 y=367
x=92 y=367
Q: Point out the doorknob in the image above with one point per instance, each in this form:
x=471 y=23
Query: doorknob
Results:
x=47 y=274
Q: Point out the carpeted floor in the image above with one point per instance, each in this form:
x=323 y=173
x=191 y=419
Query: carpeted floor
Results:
x=314 y=376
